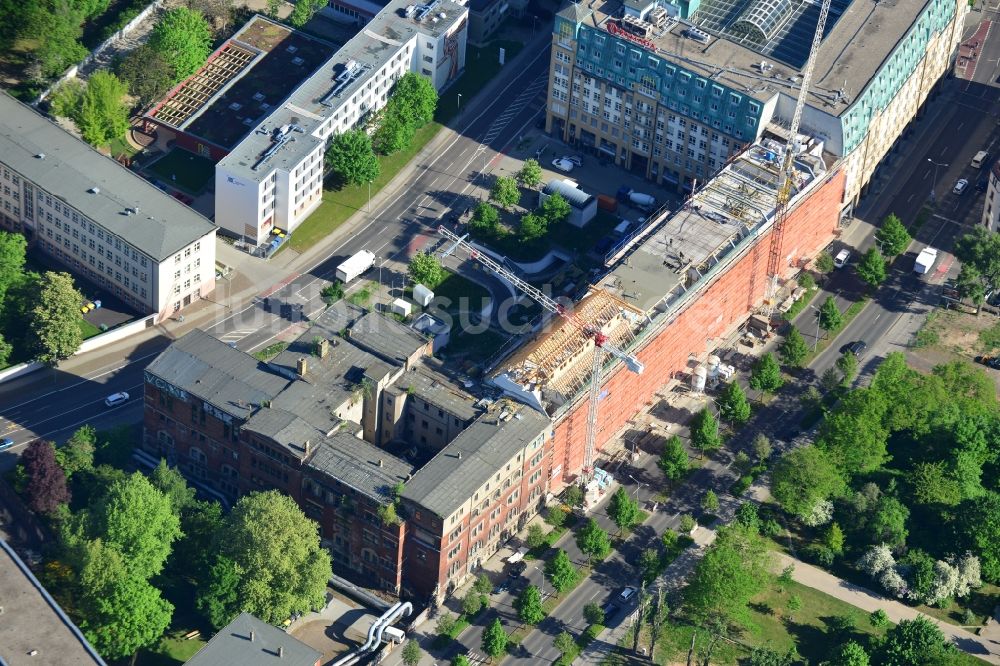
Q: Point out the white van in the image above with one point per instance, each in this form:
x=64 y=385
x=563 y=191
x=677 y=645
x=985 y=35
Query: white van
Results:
x=841 y=259
x=980 y=159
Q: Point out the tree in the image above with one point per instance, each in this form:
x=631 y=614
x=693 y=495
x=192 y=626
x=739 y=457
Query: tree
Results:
x=140 y=522
x=102 y=114
x=802 y=478
x=276 y=553
x=392 y=134
x=710 y=501
x=848 y=366
x=332 y=292
x=54 y=317
x=762 y=655
x=505 y=192
x=734 y=569
x=824 y=262
x=914 y=642
x=483 y=585
x=593 y=613
x=147 y=72
x=184 y=39
x=854 y=435
x=793 y=349
x=933 y=483
x=122 y=613
x=536 y=536
x=981 y=250
x=425 y=269
x=705 y=432
x=77 y=454
x=58 y=26
x=674 y=459
x=762 y=447
x=193 y=555
x=850 y=654
x=830 y=317
x=834 y=539
x=485 y=220
x=219 y=600
x=532 y=227
x=969 y=284
x=748 y=516
x=555 y=516
x=564 y=642
x=461 y=660
x=351 y=158
x=413 y=100
x=560 y=572
x=530 y=173
x=765 y=376
x=169 y=481
x=46 y=488
x=893 y=236
x=879 y=619
x=830 y=379
x=6 y=349
x=733 y=404
x=623 y=510
x=411 y=653
x=472 y=603
x=593 y=541
x=555 y=209
x=303 y=11
x=657 y=618
x=573 y=495
x=872 y=267
x=495 y=640
x=529 y=605
x=12 y=253
x=979 y=528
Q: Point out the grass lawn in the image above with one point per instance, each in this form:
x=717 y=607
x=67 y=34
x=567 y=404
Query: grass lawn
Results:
x=849 y=314
x=574 y=239
x=172 y=650
x=463 y=295
x=192 y=172
x=270 y=351
x=981 y=602
x=121 y=146
x=481 y=65
x=87 y=329
x=339 y=205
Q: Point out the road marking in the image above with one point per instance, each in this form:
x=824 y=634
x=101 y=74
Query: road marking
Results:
x=100 y=401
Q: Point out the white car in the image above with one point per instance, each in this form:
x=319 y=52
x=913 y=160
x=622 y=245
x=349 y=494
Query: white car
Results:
x=960 y=186
x=562 y=164
x=116 y=399
x=575 y=159
x=841 y=259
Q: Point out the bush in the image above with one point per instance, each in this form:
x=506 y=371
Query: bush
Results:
x=818 y=554
x=687 y=523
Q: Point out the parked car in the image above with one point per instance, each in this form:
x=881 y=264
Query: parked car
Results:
x=6 y=443
x=625 y=595
x=858 y=348
x=577 y=160
x=960 y=186
x=517 y=569
x=610 y=610
x=562 y=164
x=501 y=587
x=842 y=258
x=983 y=183
x=116 y=399
x=989 y=361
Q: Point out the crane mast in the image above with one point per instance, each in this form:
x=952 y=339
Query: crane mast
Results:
x=788 y=161
x=587 y=329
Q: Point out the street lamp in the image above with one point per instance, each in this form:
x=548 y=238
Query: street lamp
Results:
x=638 y=487
x=934 y=179
x=816 y=339
x=369 y=197
x=541 y=588
x=458 y=103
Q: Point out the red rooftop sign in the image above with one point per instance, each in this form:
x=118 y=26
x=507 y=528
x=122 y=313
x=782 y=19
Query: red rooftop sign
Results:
x=618 y=31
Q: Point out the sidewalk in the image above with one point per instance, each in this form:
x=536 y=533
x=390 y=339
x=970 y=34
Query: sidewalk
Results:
x=868 y=601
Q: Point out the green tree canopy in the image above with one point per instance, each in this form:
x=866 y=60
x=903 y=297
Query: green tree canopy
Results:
x=303 y=10
x=564 y=642
x=413 y=99
x=411 y=653
x=485 y=220
x=57 y=26
x=804 y=477
x=532 y=227
x=765 y=376
x=102 y=114
x=593 y=613
x=793 y=349
x=824 y=262
x=392 y=134
x=979 y=527
x=705 y=432
x=674 y=459
x=426 y=269
x=169 y=481
x=148 y=74
x=623 y=509
x=495 y=639
x=970 y=284
x=981 y=249
x=555 y=209
x=530 y=173
x=505 y=192
x=277 y=556
x=559 y=571
x=593 y=541
x=184 y=39
x=854 y=435
x=733 y=404
x=77 y=454
x=872 y=268
x=847 y=363
x=893 y=236
x=850 y=654
x=351 y=158
x=710 y=501
x=830 y=317
x=12 y=253
x=917 y=642
x=54 y=318
x=529 y=605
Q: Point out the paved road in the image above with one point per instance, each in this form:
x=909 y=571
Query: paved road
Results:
x=53 y=406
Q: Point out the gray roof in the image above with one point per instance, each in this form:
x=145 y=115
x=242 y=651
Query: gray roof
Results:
x=438 y=390
x=71 y=168
x=32 y=620
x=371 y=48
x=211 y=370
x=284 y=428
x=576 y=197
x=359 y=465
x=453 y=475
x=386 y=337
x=233 y=645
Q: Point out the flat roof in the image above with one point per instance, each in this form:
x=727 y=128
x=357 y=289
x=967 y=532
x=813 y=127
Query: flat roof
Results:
x=370 y=49
x=439 y=390
x=95 y=185
x=386 y=337
x=862 y=36
x=248 y=641
x=32 y=620
x=460 y=468
x=357 y=464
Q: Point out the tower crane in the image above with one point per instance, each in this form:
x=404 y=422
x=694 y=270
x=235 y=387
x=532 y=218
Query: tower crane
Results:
x=788 y=162
x=588 y=330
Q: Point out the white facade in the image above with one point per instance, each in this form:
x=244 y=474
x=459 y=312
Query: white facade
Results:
x=991 y=207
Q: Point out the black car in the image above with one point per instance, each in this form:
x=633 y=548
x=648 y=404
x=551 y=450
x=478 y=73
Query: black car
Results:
x=517 y=569
x=501 y=587
x=989 y=361
x=858 y=348
x=610 y=610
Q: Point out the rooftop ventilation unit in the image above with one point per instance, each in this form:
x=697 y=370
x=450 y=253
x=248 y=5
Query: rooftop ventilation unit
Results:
x=350 y=73
x=636 y=26
x=40 y=156
x=291 y=49
x=423 y=10
x=297 y=60
x=258 y=96
x=94 y=190
x=409 y=11
x=697 y=35
x=658 y=16
x=235 y=106
x=764 y=66
x=279 y=138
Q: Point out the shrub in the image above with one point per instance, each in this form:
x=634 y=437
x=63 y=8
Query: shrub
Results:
x=818 y=554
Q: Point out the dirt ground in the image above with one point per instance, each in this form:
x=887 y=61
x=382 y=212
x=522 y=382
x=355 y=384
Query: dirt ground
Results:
x=320 y=636
x=950 y=335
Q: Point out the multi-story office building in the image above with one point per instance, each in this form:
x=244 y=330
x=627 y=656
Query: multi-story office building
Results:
x=99 y=219
x=991 y=206
x=672 y=90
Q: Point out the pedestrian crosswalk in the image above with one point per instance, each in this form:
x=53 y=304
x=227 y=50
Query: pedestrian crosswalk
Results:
x=503 y=120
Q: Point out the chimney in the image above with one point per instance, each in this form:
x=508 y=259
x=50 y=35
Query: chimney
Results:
x=324 y=347
x=459 y=455
x=301 y=366
x=281 y=651
x=307 y=446
x=381 y=463
x=251 y=635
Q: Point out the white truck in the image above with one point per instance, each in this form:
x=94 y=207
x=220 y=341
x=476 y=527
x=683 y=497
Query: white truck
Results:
x=925 y=261
x=355 y=265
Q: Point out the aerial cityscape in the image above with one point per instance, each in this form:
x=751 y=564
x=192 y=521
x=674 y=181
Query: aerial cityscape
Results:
x=515 y=332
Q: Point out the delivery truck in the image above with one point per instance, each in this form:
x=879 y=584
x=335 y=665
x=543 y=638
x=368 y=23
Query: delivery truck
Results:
x=925 y=261
x=355 y=265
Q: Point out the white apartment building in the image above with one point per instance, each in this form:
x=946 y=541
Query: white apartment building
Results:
x=273 y=178
x=99 y=219
x=991 y=207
